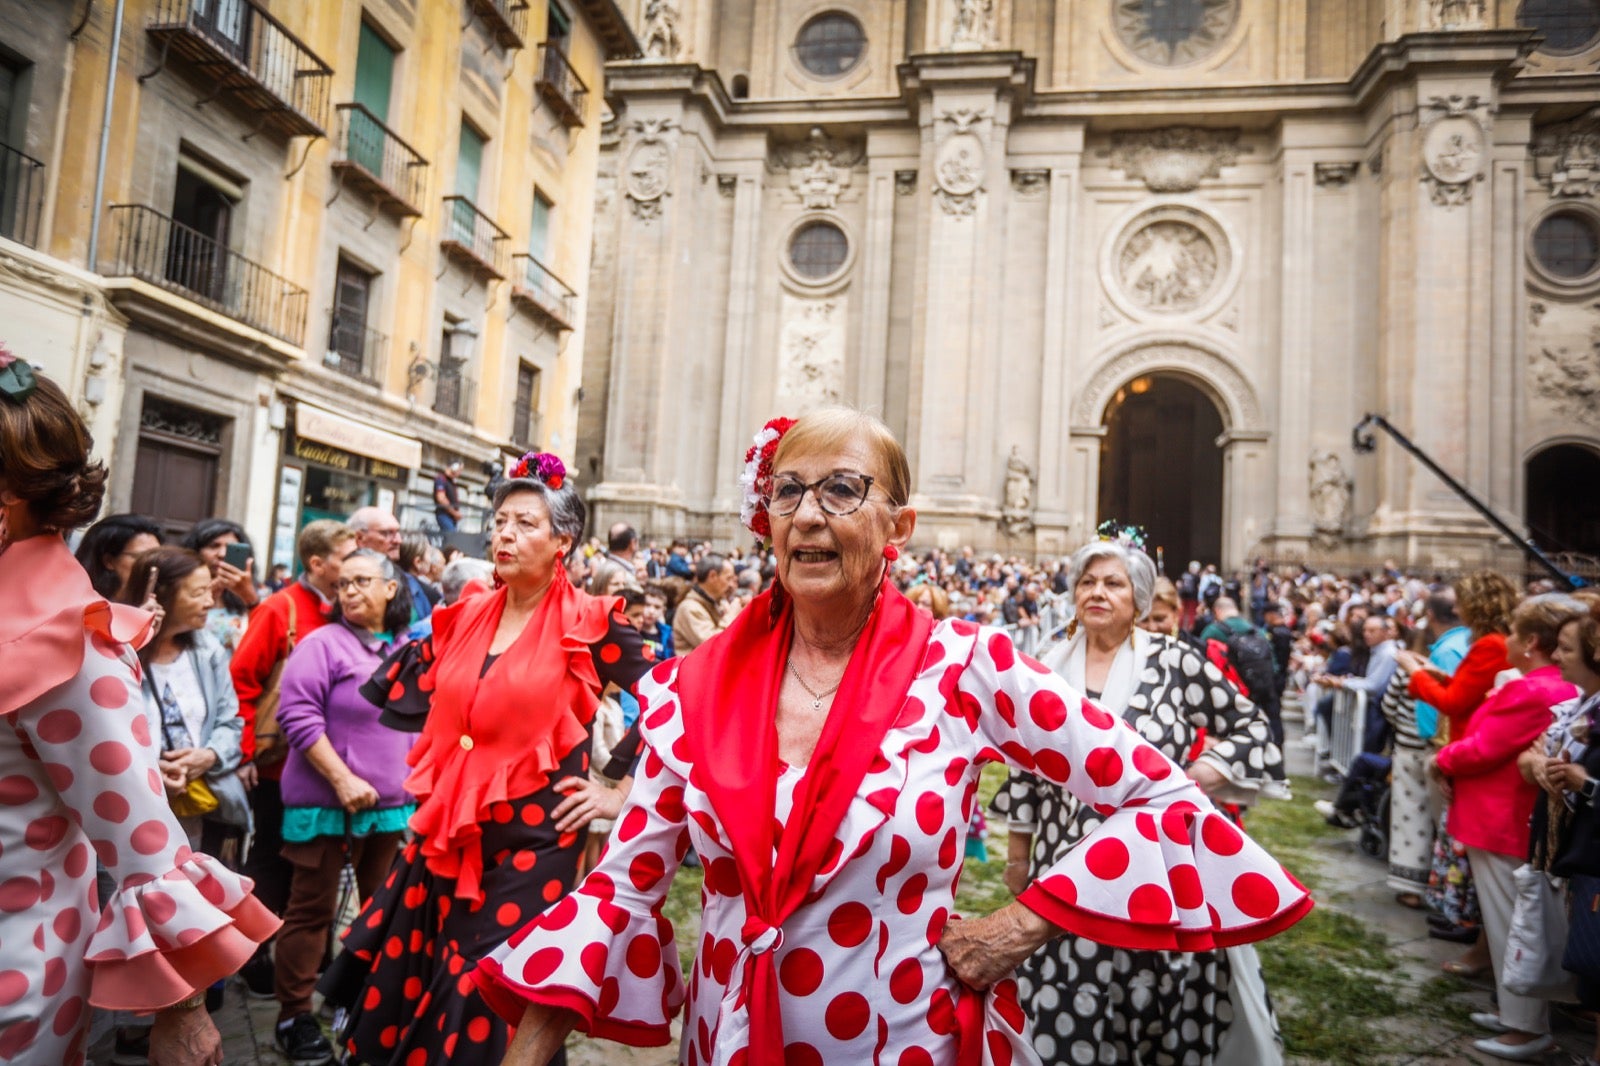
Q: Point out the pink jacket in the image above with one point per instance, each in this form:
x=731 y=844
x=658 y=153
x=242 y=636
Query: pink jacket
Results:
x=1492 y=802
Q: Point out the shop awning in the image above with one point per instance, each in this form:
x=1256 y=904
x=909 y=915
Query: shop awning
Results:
x=313 y=423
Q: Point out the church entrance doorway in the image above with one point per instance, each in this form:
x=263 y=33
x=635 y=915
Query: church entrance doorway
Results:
x=1161 y=468
x=1563 y=514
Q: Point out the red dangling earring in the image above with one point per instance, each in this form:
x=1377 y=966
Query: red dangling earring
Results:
x=890 y=552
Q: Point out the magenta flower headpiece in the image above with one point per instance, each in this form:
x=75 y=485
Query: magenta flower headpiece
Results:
x=542 y=466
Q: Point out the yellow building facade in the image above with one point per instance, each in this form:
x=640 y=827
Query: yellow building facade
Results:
x=337 y=245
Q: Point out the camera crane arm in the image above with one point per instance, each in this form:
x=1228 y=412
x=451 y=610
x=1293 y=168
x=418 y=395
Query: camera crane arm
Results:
x=1364 y=440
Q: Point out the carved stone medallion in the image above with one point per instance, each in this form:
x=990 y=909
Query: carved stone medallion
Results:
x=648 y=165
x=1454 y=147
x=1168 y=266
x=958 y=163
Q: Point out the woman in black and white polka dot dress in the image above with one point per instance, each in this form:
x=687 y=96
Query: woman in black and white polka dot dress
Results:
x=1096 y=1004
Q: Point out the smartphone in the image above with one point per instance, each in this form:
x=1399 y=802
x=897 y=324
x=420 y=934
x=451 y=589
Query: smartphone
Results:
x=237 y=555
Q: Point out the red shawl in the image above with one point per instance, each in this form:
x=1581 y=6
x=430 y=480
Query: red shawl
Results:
x=729 y=689
x=498 y=737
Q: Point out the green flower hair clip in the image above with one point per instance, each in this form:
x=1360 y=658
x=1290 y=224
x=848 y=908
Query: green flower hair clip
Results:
x=17 y=379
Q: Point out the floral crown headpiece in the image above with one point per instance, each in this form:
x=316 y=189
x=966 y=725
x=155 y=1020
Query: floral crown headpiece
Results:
x=541 y=466
x=1129 y=536
x=17 y=379
x=755 y=482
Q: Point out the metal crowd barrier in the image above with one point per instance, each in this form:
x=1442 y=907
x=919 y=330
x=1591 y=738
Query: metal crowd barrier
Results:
x=1339 y=736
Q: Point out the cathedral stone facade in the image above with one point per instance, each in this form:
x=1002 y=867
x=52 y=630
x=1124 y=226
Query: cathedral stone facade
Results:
x=1111 y=259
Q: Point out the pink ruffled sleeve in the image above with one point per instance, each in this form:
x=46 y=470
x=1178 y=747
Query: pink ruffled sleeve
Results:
x=1165 y=870
x=606 y=952
x=179 y=920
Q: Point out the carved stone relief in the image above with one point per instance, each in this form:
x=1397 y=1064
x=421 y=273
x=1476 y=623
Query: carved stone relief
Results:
x=905 y=182
x=971 y=26
x=1457 y=15
x=1566 y=156
x=1570 y=379
x=1167 y=266
x=1454 y=148
x=811 y=353
x=649 y=164
x=1030 y=184
x=1335 y=175
x=820 y=169
x=1174 y=159
x=660 y=37
x=1330 y=490
x=959 y=161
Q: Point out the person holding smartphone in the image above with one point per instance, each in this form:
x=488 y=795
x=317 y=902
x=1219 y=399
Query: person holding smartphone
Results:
x=226 y=550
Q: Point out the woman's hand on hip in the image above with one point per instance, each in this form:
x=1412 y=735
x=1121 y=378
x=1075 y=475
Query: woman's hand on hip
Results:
x=355 y=794
x=586 y=800
x=185 y=1037
x=984 y=950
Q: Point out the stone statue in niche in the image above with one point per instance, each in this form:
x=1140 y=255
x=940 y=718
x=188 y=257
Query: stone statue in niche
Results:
x=972 y=25
x=819 y=171
x=1330 y=499
x=1457 y=14
x=660 y=35
x=1016 y=515
x=1168 y=266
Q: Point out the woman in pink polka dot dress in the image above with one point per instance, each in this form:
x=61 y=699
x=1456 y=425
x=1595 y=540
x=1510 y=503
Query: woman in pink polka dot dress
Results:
x=822 y=757
x=78 y=780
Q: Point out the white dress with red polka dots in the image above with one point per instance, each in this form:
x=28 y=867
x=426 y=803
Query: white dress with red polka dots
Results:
x=77 y=769
x=861 y=978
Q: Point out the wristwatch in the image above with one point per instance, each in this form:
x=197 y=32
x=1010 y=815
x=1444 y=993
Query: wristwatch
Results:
x=1586 y=790
x=196 y=1000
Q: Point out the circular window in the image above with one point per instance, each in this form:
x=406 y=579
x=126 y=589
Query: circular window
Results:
x=818 y=250
x=830 y=44
x=1569 y=26
x=1173 y=33
x=1567 y=244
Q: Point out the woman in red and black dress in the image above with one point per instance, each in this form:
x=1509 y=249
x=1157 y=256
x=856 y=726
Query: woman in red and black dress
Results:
x=507 y=689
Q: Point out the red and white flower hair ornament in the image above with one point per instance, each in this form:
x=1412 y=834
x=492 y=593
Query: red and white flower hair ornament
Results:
x=755 y=482
x=540 y=466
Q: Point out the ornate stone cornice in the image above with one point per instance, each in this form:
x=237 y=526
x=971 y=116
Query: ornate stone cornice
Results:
x=1566 y=155
x=1174 y=159
x=819 y=168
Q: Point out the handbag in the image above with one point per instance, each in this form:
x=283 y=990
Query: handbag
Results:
x=270 y=748
x=195 y=800
x=1582 y=955
x=1530 y=962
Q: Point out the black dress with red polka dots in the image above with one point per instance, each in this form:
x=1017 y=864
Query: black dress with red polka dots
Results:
x=404 y=973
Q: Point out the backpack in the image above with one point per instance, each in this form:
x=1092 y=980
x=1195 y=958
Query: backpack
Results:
x=1250 y=652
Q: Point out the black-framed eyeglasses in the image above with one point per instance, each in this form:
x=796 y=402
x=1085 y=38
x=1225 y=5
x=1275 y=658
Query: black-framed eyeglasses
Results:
x=837 y=494
x=360 y=581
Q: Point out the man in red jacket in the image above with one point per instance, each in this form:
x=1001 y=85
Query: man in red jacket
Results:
x=322 y=547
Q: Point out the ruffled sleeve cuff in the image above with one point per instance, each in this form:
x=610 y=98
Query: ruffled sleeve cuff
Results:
x=1182 y=879
x=616 y=971
x=396 y=687
x=164 y=939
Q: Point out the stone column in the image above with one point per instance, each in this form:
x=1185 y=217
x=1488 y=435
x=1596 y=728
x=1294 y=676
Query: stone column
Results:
x=964 y=108
x=1055 y=493
x=1438 y=335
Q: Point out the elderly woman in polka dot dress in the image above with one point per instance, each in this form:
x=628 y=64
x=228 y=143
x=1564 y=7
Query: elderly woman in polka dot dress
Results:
x=78 y=780
x=822 y=757
x=1090 y=1000
x=504 y=693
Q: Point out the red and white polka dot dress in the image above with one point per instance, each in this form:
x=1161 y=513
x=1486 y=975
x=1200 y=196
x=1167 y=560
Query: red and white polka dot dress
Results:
x=861 y=978
x=77 y=771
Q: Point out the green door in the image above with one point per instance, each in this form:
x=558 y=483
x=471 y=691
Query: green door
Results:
x=374 y=82
x=469 y=165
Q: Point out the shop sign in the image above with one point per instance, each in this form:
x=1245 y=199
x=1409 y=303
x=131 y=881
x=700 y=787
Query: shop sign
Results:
x=390 y=450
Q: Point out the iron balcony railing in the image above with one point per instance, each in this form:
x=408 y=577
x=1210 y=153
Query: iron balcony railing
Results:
x=454 y=393
x=507 y=20
x=560 y=85
x=246 y=52
x=536 y=287
x=472 y=238
x=375 y=158
x=21 y=196
x=152 y=247
x=355 y=350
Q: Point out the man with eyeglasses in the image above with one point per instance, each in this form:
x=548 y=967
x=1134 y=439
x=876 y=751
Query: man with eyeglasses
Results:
x=379 y=530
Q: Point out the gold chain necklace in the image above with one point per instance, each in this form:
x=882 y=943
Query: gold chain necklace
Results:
x=816 y=697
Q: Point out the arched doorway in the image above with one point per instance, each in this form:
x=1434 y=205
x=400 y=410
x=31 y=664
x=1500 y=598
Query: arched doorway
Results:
x=1161 y=467
x=1563 y=512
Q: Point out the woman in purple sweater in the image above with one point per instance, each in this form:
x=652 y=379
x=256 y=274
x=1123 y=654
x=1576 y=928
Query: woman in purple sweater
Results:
x=342 y=783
